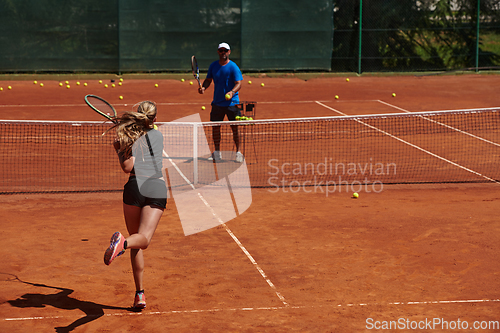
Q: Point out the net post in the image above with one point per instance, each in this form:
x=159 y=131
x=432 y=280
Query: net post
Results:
x=477 y=34
x=360 y=34
x=195 y=153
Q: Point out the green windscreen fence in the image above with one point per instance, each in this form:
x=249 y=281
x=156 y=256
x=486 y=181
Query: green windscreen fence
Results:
x=265 y=35
x=162 y=35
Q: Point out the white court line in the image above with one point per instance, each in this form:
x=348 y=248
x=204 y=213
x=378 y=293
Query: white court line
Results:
x=414 y=146
x=444 y=125
x=233 y=236
x=272 y=308
x=166 y=104
x=183 y=103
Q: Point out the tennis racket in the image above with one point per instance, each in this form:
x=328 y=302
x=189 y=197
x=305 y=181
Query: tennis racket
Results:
x=196 y=70
x=101 y=106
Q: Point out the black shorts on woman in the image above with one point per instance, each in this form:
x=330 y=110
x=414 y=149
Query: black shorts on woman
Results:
x=132 y=195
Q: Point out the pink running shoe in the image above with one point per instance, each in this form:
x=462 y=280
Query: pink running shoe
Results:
x=140 y=300
x=115 y=249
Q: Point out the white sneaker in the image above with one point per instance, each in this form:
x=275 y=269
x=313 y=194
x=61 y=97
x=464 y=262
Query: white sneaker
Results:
x=239 y=157
x=215 y=156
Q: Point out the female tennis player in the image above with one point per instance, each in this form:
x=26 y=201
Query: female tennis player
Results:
x=139 y=148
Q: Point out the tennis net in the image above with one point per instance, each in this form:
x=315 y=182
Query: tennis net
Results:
x=427 y=147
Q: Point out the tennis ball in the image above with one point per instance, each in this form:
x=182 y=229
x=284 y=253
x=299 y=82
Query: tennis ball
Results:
x=121 y=97
x=1 y=88
x=249 y=82
x=155 y=127
x=250 y=118
x=34 y=82
x=347 y=80
x=355 y=195
x=60 y=84
x=156 y=85
x=67 y=82
x=67 y=86
x=113 y=85
x=203 y=108
x=182 y=80
x=237 y=117
x=85 y=84
x=393 y=94
x=100 y=81
x=106 y=85
x=121 y=80
x=41 y=84
x=119 y=83
x=77 y=83
x=262 y=84
x=228 y=97
x=9 y=87
x=336 y=96
x=191 y=82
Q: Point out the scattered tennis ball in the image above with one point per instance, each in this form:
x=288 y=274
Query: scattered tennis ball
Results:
x=34 y=82
x=355 y=195
x=113 y=85
x=9 y=87
x=121 y=80
x=191 y=82
x=336 y=96
x=60 y=84
x=121 y=97
x=262 y=84
x=182 y=80
x=67 y=86
x=393 y=94
x=203 y=108
x=119 y=83
x=67 y=82
x=85 y=84
x=228 y=97
x=156 y=85
x=249 y=82
x=106 y=85
x=1 y=88
x=347 y=80
x=250 y=118
x=77 y=83
x=41 y=84
x=100 y=81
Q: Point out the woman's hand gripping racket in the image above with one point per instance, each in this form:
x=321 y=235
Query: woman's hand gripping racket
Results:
x=101 y=106
x=196 y=70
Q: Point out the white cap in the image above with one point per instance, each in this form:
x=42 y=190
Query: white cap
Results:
x=224 y=46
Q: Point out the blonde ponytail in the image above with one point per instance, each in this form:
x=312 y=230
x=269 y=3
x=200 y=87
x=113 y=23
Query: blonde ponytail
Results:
x=132 y=125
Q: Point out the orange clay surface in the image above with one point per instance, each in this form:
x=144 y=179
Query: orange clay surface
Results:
x=419 y=256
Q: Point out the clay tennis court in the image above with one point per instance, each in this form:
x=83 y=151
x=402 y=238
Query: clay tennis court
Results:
x=293 y=262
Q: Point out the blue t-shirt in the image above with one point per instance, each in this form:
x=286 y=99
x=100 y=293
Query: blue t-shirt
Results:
x=224 y=78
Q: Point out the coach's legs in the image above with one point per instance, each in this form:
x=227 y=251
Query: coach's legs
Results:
x=236 y=137
x=216 y=137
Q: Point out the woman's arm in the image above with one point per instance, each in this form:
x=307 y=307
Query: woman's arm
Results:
x=127 y=164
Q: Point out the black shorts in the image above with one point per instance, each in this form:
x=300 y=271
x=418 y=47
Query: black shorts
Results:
x=218 y=112
x=132 y=196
